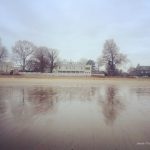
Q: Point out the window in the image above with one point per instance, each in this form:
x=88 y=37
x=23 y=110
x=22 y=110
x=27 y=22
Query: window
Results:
x=87 y=68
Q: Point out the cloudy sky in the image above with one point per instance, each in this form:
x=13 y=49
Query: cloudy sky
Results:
x=79 y=28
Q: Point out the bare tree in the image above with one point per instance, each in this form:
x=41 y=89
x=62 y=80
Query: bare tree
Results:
x=111 y=57
x=53 y=59
x=40 y=59
x=23 y=50
x=43 y=59
x=3 y=52
x=32 y=65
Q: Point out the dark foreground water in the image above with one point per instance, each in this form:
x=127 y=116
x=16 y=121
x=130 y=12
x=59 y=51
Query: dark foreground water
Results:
x=105 y=117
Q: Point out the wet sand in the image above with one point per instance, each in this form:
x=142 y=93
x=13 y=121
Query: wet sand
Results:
x=74 y=114
x=71 y=80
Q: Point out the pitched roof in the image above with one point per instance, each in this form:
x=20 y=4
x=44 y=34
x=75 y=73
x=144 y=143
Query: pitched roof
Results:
x=143 y=67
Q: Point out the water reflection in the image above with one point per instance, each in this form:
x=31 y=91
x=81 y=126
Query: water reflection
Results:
x=27 y=102
x=76 y=93
x=17 y=105
x=2 y=102
x=21 y=101
x=75 y=117
x=112 y=105
x=141 y=91
x=43 y=99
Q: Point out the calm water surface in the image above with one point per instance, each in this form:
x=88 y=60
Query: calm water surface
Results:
x=104 y=117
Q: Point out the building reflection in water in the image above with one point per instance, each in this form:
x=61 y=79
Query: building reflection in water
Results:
x=141 y=92
x=83 y=94
x=112 y=105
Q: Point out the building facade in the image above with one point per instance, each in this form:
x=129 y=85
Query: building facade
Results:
x=6 y=67
x=141 y=71
x=73 y=69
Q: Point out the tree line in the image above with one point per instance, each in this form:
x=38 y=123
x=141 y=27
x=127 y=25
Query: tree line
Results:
x=39 y=59
x=30 y=57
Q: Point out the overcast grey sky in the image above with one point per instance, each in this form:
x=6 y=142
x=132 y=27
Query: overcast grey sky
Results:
x=79 y=28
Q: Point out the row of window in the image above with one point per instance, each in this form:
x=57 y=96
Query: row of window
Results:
x=82 y=68
x=145 y=71
x=72 y=72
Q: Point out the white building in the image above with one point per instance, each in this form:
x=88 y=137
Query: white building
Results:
x=6 y=67
x=73 y=69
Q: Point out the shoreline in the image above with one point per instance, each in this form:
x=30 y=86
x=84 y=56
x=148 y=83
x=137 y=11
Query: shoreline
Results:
x=71 y=81
x=71 y=77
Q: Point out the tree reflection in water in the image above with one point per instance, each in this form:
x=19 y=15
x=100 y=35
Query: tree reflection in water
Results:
x=28 y=102
x=43 y=99
x=112 y=105
x=25 y=102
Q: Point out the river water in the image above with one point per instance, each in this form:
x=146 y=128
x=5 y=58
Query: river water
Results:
x=104 y=117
